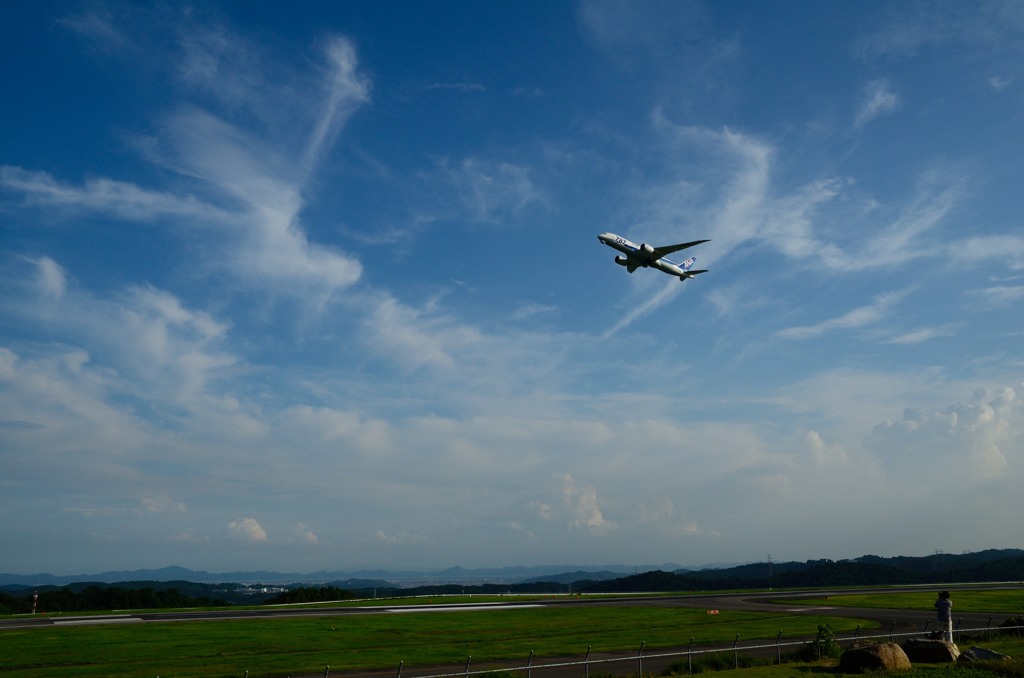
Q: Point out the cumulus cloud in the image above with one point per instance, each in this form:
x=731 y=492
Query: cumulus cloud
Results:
x=663 y=514
x=974 y=438
x=143 y=332
x=581 y=503
x=248 y=529
x=305 y=535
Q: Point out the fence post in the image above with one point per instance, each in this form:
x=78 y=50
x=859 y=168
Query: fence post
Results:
x=892 y=633
x=586 y=662
x=400 y=664
x=689 y=657
x=778 y=647
x=469 y=658
x=735 y=652
x=640 y=660
x=989 y=625
x=957 y=629
x=327 y=669
x=856 y=632
x=529 y=666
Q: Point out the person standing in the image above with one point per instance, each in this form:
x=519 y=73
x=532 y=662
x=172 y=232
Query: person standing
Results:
x=944 y=616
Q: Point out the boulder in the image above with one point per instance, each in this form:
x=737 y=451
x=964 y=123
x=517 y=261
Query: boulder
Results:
x=977 y=654
x=861 y=657
x=930 y=651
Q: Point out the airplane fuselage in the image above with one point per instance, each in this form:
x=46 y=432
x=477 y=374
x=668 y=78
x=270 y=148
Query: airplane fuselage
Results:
x=646 y=256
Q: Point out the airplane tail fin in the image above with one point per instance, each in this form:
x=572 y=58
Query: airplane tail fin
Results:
x=688 y=270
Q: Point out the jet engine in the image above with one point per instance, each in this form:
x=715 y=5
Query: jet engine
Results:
x=646 y=249
x=621 y=261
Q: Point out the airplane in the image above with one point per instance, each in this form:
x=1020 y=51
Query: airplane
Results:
x=644 y=255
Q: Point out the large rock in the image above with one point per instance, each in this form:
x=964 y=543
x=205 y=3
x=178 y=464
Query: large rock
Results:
x=861 y=657
x=982 y=654
x=930 y=651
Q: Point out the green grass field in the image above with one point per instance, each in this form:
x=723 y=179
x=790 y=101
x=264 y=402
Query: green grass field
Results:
x=379 y=642
x=367 y=642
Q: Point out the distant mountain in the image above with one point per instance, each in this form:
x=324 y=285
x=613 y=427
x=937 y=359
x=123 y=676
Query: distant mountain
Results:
x=377 y=578
x=575 y=576
x=993 y=565
x=990 y=565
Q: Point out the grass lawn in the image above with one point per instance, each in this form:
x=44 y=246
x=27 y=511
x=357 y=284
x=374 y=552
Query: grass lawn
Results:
x=274 y=647
x=279 y=647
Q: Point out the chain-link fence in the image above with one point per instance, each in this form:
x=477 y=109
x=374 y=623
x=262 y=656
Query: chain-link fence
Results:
x=643 y=661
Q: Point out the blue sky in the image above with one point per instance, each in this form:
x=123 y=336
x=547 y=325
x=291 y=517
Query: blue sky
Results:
x=314 y=286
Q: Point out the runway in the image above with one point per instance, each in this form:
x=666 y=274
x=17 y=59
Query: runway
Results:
x=900 y=620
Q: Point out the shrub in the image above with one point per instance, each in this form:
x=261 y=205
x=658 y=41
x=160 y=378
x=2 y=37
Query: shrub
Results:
x=823 y=645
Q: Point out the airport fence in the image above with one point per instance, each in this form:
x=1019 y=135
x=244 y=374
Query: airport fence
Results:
x=641 y=662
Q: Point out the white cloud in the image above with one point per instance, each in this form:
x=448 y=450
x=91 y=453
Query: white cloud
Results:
x=580 y=500
x=400 y=538
x=52 y=281
x=416 y=337
x=863 y=316
x=529 y=310
x=907 y=29
x=252 y=184
x=490 y=191
x=972 y=440
x=822 y=452
x=248 y=529
x=1000 y=295
x=879 y=99
x=162 y=503
x=124 y=200
x=345 y=90
x=305 y=535
x=999 y=83
x=925 y=334
x=97 y=26
x=1006 y=247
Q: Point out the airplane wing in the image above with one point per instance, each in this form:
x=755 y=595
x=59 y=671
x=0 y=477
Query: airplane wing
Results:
x=669 y=249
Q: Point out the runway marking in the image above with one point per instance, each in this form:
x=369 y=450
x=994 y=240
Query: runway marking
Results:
x=458 y=608
x=807 y=609
x=96 y=620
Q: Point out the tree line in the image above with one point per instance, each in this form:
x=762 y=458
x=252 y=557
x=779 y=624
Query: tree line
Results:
x=102 y=598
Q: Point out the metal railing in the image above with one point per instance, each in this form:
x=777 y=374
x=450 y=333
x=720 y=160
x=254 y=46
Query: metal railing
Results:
x=611 y=664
